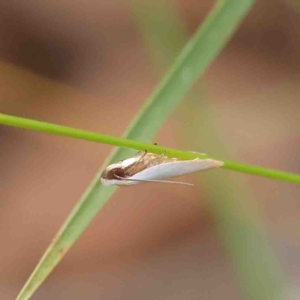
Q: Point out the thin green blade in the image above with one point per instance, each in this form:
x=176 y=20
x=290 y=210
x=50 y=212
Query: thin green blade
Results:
x=192 y=62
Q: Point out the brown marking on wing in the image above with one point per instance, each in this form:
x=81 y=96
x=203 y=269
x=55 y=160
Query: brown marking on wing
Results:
x=135 y=168
x=147 y=160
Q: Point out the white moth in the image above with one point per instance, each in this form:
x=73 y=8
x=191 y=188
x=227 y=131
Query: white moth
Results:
x=149 y=167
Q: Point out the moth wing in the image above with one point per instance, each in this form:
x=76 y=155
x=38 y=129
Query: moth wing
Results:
x=129 y=162
x=176 y=168
x=119 y=182
x=138 y=181
x=144 y=161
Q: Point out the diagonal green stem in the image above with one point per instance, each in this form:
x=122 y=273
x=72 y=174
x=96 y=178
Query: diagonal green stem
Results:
x=192 y=62
x=121 y=142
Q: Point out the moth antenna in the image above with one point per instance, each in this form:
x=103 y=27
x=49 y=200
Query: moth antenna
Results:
x=158 y=181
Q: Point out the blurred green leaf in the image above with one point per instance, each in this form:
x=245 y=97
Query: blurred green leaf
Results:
x=231 y=201
x=192 y=62
x=294 y=4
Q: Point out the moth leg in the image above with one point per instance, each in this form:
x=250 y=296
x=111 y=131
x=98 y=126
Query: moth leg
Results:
x=163 y=154
x=142 y=156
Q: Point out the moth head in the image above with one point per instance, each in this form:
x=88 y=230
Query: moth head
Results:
x=111 y=175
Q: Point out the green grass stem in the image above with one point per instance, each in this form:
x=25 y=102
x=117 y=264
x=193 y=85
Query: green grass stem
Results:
x=126 y=143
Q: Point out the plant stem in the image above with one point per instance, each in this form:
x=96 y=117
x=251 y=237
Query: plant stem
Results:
x=195 y=57
x=121 y=142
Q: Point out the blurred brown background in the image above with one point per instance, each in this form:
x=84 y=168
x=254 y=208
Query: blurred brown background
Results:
x=84 y=65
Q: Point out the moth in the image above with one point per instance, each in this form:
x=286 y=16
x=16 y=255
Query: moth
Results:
x=149 y=167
